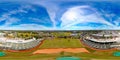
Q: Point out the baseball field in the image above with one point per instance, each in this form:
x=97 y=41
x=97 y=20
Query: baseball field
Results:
x=60 y=43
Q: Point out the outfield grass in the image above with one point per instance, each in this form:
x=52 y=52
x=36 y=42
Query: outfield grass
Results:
x=61 y=43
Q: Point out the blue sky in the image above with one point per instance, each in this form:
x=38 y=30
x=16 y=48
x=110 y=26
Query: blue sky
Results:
x=59 y=15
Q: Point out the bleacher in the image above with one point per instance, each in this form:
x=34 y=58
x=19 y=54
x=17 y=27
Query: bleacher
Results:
x=98 y=45
x=20 y=45
x=102 y=40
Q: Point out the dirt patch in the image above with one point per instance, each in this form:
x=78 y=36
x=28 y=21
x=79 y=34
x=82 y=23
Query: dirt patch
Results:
x=58 y=50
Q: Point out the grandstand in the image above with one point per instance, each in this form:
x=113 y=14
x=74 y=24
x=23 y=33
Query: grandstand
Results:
x=103 y=40
x=12 y=44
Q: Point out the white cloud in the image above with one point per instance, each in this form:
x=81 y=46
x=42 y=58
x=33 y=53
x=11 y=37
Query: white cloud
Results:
x=52 y=9
x=103 y=27
x=41 y=27
x=69 y=19
x=23 y=9
x=26 y=27
x=10 y=20
x=37 y=20
x=117 y=21
x=76 y=15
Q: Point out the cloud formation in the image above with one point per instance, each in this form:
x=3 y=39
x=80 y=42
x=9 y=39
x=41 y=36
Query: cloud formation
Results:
x=16 y=16
x=59 y=15
x=79 y=15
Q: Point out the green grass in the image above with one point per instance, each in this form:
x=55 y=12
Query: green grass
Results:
x=83 y=56
x=61 y=43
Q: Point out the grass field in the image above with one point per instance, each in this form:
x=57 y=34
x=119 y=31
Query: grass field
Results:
x=60 y=43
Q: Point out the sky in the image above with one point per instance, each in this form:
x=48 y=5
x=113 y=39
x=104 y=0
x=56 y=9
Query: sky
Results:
x=59 y=15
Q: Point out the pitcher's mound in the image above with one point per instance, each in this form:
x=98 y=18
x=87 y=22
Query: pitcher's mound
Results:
x=58 y=50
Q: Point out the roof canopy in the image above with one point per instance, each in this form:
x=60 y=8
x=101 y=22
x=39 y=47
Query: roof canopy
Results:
x=107 y=33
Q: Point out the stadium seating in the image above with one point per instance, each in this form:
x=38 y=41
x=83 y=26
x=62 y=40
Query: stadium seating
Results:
x=20 y=45
x=98 y=45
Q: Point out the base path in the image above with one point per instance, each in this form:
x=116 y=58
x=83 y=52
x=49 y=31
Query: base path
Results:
x=58 y=50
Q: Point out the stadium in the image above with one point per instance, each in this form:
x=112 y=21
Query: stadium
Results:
x=50 y=45
x=59 y=30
